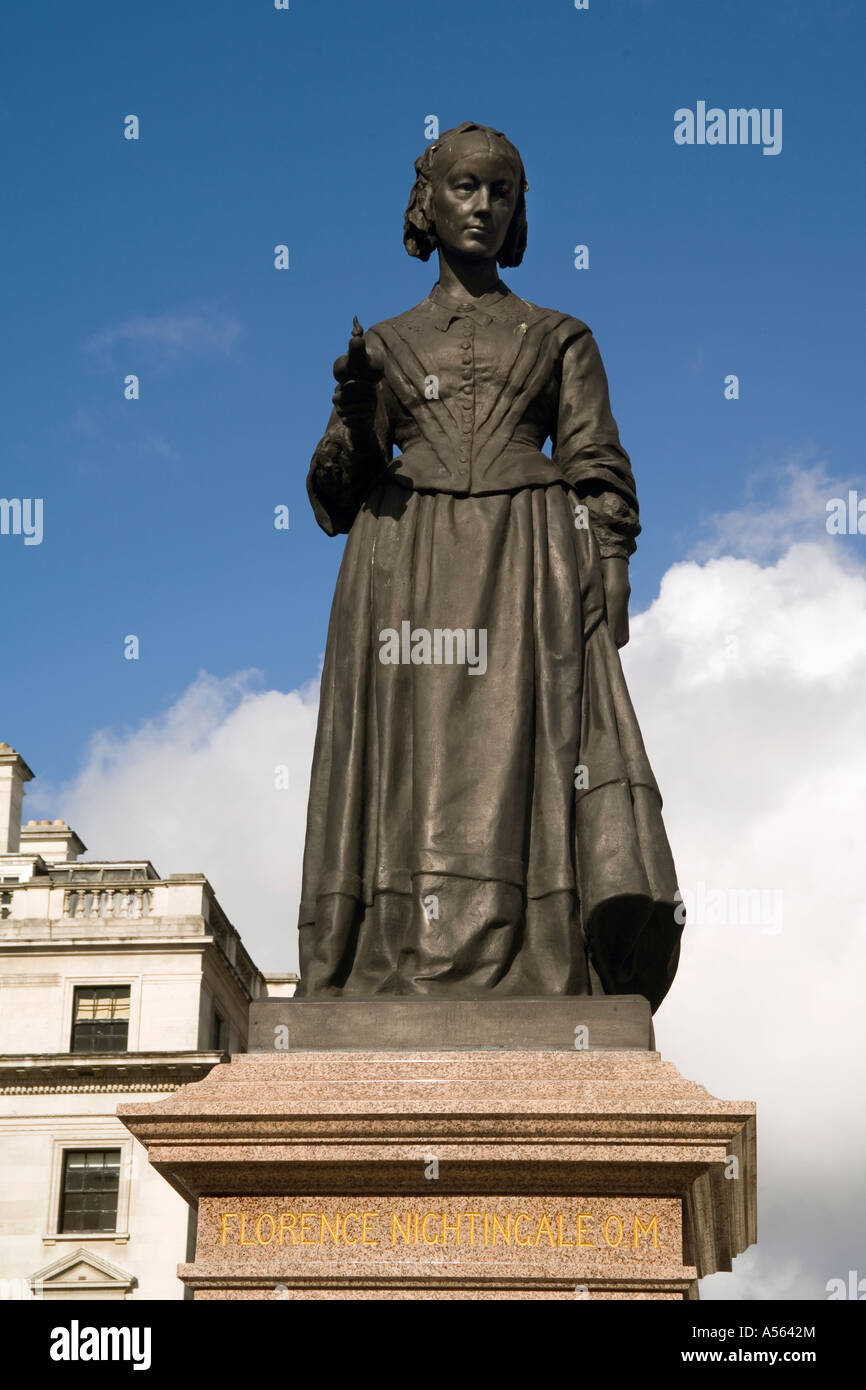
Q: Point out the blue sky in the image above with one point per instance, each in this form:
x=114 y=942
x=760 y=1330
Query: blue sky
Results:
x=260 y=127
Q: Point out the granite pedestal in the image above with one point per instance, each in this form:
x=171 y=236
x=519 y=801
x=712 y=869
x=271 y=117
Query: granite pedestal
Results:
x=421 y=1149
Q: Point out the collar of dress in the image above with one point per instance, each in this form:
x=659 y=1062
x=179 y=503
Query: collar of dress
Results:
x=499 y=303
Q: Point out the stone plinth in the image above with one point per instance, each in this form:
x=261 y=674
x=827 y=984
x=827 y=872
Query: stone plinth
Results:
x=455 y=1174
x=388 y=1024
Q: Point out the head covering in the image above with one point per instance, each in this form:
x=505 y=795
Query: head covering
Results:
x=419 y=236
x=479 y=139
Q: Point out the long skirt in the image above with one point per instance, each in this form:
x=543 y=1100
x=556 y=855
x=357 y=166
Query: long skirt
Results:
x=482 y=816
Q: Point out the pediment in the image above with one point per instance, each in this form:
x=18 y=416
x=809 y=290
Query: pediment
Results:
x=82 y=1270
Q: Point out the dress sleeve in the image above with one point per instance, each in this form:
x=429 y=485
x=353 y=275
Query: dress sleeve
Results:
x=587 y=449
x=343 y=469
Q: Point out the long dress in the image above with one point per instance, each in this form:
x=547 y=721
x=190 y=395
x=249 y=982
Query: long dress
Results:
x=482 y=820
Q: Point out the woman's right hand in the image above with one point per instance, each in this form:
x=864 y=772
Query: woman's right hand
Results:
x=357 y=376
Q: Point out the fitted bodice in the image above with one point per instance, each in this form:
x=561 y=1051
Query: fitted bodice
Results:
x=472 y=390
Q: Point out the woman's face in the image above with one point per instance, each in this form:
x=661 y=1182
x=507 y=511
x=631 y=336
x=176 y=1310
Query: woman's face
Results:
x=473 y=205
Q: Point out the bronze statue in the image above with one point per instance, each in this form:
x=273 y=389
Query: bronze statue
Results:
x=483 y=820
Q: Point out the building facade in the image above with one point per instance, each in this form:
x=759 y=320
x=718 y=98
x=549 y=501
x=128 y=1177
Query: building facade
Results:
x=114 y=983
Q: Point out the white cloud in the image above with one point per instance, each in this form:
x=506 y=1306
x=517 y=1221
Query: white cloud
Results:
x=193 y=790
x=786 y=502
x=750 y=684
x=195 y=332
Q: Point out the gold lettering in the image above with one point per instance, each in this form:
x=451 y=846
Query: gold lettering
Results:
x=435 y=1228
x=333 y=1231
x=450 y=1226
x=346 y=1240
x=544 y=1229
x=584 y=1244
x=613 y=1243
x=472 y=1217
x=305 y=1217
x=645 y=1230
x=395 y=1227
x=521 y=1216
x=431 y=1215
x=226 y=1215
x=265 y=1216
x=505 y=1230
x=287 y=1223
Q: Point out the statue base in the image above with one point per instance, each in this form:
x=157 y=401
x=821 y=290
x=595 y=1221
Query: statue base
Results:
x=389 y=1023
x=471 y=1170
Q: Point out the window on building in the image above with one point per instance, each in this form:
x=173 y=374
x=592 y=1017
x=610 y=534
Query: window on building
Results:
x=91 y=1181
x=100 y=1018
x=220 y=1034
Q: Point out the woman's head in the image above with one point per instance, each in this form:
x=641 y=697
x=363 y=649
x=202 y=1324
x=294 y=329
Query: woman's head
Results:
x=469 y=196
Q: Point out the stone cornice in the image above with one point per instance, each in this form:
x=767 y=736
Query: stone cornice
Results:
x=65 y=1072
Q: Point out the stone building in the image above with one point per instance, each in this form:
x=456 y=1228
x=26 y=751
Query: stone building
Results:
x=114 y=983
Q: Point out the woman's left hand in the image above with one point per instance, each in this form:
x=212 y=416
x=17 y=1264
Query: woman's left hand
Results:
x=616 y=595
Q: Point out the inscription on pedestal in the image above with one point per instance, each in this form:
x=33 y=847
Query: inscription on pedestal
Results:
x=346 y=1236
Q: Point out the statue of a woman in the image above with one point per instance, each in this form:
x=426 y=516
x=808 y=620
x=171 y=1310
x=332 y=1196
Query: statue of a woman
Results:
x=482 y=820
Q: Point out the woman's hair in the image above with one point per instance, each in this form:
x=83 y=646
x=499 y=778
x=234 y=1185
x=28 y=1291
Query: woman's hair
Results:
x=419 y=232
